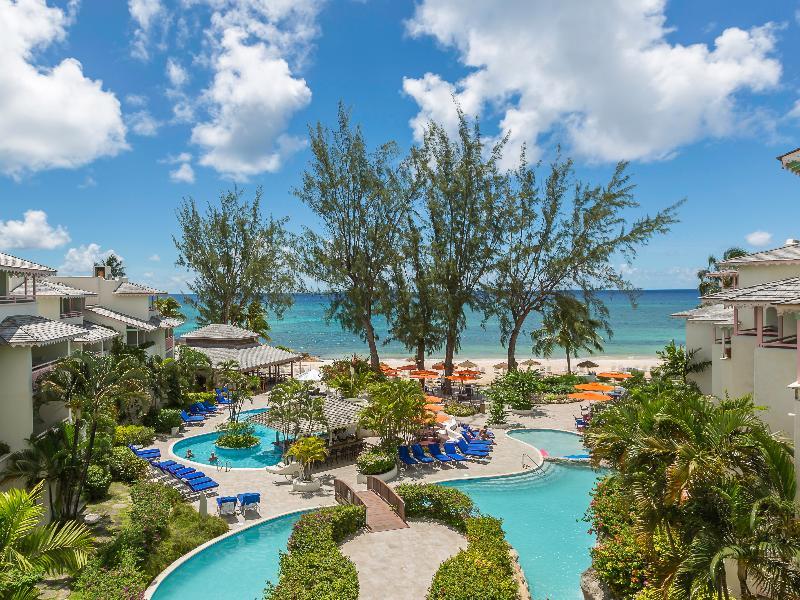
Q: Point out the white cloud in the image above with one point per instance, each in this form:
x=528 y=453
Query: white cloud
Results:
x=154 y=258
x=604 y=72
x=143 y=123
x=49 y=117
x=183 y=174
x=174 y=159
x=88 y=182
x=136 y=100
x=148 y=274
x=147 y=14
x=176 y=74
x=32 y=232
x=255 y=91
x=80 y=260
x=759 y=238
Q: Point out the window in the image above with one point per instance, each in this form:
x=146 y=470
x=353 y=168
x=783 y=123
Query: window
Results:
x=71 y=306
x=132 y=336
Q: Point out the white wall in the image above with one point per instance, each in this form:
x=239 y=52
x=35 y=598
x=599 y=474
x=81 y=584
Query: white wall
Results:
x=742 y=354
x=700 y=335
x=720 y=373
x=755 y=274
x=16 y=396
x=775 y=368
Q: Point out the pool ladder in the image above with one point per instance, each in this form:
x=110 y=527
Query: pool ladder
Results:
x=533 y=465
x=226 y=467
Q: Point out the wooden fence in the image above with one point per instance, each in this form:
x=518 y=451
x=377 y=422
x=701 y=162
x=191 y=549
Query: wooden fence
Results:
x=388 y=495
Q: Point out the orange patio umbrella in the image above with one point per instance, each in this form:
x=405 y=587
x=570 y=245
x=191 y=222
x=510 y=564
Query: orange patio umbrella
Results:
x=614 y=375
x=593 y=396
x=461 y=378
x=443 y=418
x=594 y=386
x=434 y=407
x=407 y=368
x=390 y=372
x=424 y=374
x=433 y=399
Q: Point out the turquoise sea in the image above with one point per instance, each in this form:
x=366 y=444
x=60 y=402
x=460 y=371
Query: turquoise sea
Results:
x=638 y=331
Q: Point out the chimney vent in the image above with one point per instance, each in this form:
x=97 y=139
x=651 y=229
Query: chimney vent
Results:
x=792 y=242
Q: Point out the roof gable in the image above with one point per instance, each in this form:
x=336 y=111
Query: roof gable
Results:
x=14 y=264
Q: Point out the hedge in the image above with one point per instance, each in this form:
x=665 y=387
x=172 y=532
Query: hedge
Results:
x=445 y=504
x=98 y=480
x=314 y=568
x=122 y=581
x=126 y=466
x=486 y=566
x=167 y=418
x=375 y=461
x=138 y=435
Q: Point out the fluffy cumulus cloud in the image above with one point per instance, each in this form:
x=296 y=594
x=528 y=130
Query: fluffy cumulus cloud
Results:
x=80 y=260
x=33 y=231
x=254 y=91
x=759 y=238
x=177 y=75
x=183 y=174
x=603 y=74
x=147 y=14
x=143 y=123
x=49 y=116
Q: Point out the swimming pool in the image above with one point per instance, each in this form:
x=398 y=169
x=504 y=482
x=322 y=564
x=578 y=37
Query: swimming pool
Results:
x=552 y=442
x=541 y=512
x=263 y=455
x=236 y=568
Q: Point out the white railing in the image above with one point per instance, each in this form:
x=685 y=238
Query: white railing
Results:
x=16 y=299
x=38 y=371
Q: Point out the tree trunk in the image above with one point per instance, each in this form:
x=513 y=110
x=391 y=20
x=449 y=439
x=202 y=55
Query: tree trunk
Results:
x=449 y=351
x=512 y=347
x=369 y=333
x=84 y=469
x=569 y=366
x=420 y=355
x=741 y=574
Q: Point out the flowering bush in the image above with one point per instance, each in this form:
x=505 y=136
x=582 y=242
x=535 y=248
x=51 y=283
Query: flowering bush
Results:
x=123 y=581
x=138 y=435
x=375 y=461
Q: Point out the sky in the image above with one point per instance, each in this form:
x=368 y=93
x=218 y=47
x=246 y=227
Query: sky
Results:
x=112 y=112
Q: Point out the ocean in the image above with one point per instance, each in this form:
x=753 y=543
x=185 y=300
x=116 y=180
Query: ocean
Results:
x=638 y=332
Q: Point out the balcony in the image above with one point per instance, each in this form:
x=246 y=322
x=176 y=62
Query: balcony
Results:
x=71 y=314
x=40 y=370
x=17 y=299
x=169 y=343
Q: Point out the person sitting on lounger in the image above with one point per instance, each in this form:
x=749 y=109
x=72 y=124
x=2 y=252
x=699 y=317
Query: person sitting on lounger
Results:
x=212 y=457
x=484 y=433
x=189 y=454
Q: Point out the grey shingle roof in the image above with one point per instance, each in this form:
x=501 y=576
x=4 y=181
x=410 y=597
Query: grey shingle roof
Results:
x=167 y=322
x=218 y=331
x=121 y=317
x=715 y=313
x=249 y=358
x=776 y=255
x=50 y=288
x=95 y=333
x=30 y=330
x=129 y=287
x=783 y=291
x=338 y=412
x=15 y=264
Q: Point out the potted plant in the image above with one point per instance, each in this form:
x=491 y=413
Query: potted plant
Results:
x=307 y=451
x=378 y=462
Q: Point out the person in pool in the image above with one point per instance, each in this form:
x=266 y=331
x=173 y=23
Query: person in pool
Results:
x=189 y=454
x=213 y=457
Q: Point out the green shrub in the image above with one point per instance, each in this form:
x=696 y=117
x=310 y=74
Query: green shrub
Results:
x=237 y=435
x=123 y=581
x=459 y=410
x=4 y=448
x=166 y=419
x=98 y=480
x=449 y=505
x=486 y=564
x=186 y=530
x=192 y=397
x=126 y=466
x=314 y=568
x=148 y=519
x=16 y=583
x=138 y=435
x=375 y=461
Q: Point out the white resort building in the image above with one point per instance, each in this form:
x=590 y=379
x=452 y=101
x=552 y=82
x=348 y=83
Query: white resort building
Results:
x=44 y=318
x=749 y=332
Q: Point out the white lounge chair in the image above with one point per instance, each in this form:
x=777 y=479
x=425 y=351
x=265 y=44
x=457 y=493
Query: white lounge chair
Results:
x=289 y=471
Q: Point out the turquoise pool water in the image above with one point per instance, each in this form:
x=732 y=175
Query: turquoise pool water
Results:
x=236 y=568
x=252 y=458
x=557 y=443
x=542 y=514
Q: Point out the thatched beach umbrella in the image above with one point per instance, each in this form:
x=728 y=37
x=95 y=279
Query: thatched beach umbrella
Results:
x=530 y=363
x=501 y=366
x=587 y=364
x=439 y=366
x=467 y=364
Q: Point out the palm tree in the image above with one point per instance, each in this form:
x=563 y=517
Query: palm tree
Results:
x=708 y=285
x=678 y=363
x=395 y=409
x=307 y=451
x=169 y=307
x=568 y=324
x=92 y=387
x=28 y=548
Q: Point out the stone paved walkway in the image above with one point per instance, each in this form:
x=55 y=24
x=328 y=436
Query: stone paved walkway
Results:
x=400 y=564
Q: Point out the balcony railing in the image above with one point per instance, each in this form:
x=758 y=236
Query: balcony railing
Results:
x=41 y=369
x=169 y=342
x=71 y=314
x=16 y=299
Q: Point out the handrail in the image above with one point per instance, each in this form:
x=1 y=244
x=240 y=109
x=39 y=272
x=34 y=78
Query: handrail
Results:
x=388 y=495
x=344 y=494
x=17 y=299
x=535 y=464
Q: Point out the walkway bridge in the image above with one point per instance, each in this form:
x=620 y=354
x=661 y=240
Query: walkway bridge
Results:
x=385 y=509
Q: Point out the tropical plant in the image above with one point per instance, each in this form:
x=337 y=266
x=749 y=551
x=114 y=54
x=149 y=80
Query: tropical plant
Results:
x=294 y=410
x=253 y=317
x=169 y=307
x=568 y=324
x=376 y=461
x=27 y=548
x=114 y=265
x=167 y=418
x=353 y=384
x=125 y=466
x=679 y=363
x=351 y=191
x=307 y=451
x=395 y=410
x=562 y=235
x=237 y=257
x=98 y=480
x=237 y=435
x=710 y=285
x=240 y=387
x=515 y=389
x=137 y=435
x=338 y=368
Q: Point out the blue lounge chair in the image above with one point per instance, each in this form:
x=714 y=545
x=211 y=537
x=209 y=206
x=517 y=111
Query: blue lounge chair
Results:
x=405 y=457
x=181 y=473
x=452 y=452
x=248 y=501
x=226 y=505
x=164 y=464
x=210 y=407
x=202 y=484
x=477 y=443
x=436 y=453
x=188 y=419
x=195 y=410
x=467 y=451
x=193 y=476
x=419 y=454
x=172 y=469
x=144 y=452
